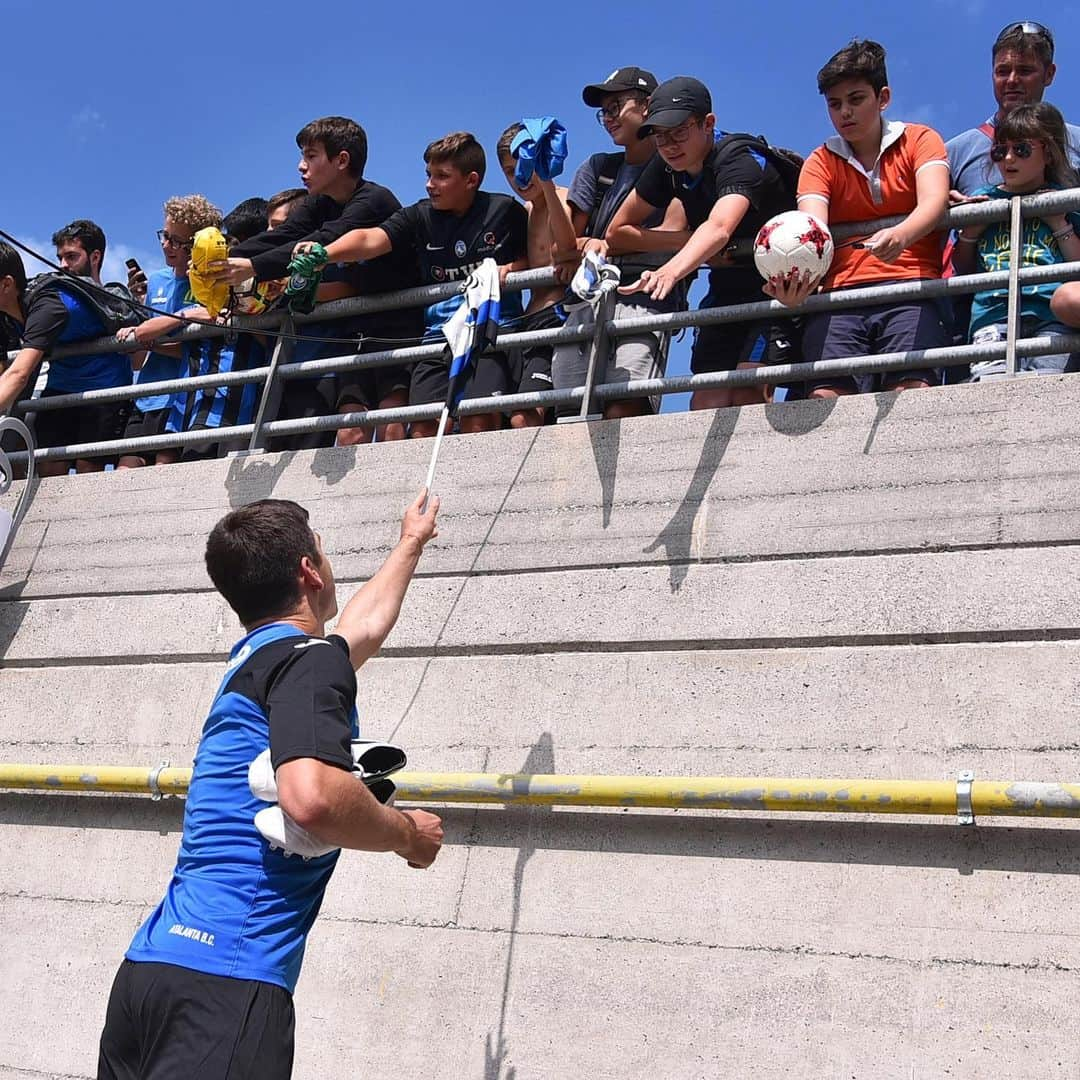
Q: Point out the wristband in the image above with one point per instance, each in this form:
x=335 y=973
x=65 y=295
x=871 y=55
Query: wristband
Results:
x=1069 y=230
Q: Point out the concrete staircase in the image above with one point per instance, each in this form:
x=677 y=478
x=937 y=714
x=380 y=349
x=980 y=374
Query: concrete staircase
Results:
x=882 y=587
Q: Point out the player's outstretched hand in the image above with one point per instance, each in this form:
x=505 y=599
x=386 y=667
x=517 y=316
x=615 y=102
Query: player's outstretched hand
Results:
x=419 y=519
x=425 y=839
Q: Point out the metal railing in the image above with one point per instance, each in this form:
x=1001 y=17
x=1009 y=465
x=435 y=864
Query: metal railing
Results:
x=588 y=397
x=964 y=798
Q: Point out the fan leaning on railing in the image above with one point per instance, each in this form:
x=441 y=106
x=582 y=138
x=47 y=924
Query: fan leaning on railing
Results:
x=10 y=519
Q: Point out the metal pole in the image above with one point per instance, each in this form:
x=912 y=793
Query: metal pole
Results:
x=271 y=395
x=814 y=795
x=1016 y=257
x=599 y=347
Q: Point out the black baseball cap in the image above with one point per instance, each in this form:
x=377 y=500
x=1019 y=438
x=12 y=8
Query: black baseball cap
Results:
x=674 y=101
x=624 y=78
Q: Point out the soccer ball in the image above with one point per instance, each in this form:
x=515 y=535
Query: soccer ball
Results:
x=793 y=242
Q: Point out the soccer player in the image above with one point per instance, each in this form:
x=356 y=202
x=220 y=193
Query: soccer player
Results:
x=206 y=986
x=726 y=193
x=872 y=168
x=168 y=291
x=45 y=315
x=451 y=233
x=333 y=154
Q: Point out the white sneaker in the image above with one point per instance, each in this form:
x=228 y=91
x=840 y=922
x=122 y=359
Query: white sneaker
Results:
x=261 y=778
x=280 y=831
x=374 y=760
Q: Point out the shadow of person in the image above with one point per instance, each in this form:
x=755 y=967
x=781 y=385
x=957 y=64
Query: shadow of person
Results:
x=333 y=464
x=252 y=478
x=540 y=760
x=604 y=437
x=677 y=537
x=798 y=417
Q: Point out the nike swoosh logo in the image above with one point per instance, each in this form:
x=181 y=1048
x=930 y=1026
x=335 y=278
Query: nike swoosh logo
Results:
x=432 y=247
x=308 y=644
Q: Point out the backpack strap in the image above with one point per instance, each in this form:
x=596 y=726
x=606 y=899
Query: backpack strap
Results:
x=605 y=177
x=987 y=129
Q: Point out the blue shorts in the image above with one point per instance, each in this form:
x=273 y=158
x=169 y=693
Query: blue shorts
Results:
x=871 y=331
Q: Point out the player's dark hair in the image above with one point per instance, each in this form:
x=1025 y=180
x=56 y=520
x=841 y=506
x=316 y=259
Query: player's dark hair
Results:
x=245 y=220
x=462 y=151
x=90 y=236
x=253 y=557
x=283 y=198
x=502 y=147
x=863 y=60
x=11 y=265
x=1041 y=122
x=337 y=133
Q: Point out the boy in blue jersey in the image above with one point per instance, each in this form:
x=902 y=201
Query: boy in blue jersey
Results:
x=450 y=233
x=44 y=313
x=168 y=291
x=206 y=987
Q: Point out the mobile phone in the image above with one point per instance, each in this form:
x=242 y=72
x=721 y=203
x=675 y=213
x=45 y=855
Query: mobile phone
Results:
x=133 y=265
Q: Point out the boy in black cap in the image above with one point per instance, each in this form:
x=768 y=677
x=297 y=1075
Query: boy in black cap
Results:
x=596 y=193
x=726 y=192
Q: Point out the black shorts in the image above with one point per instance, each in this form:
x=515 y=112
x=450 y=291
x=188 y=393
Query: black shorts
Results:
x=302 y=399
x=905 y=326
x=141 y=425
x=82 y=424
x=532 y=364
x=725 y=346
x=165 y=1022
x=366 y=388
x=493 y=376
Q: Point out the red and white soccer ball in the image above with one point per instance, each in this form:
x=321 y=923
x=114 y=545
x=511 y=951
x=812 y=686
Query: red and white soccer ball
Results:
x=793 y=242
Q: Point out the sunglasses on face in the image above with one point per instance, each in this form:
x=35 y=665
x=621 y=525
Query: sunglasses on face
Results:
x=1023 y=150
x=1033 y=28
x=173 y=241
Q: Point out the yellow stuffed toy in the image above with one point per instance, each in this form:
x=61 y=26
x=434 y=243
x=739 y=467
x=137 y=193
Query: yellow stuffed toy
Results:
x=208 y=247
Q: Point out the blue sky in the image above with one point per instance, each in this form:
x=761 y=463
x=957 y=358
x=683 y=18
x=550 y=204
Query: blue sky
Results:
x=143 y=102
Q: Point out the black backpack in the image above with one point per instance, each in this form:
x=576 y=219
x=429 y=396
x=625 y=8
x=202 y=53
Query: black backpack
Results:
x=112 y=303
x=786 y=162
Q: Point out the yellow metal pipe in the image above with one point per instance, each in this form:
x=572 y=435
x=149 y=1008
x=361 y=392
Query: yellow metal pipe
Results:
x=796 y=795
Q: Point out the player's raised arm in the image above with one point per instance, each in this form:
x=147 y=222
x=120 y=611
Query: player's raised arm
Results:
x=370 y=615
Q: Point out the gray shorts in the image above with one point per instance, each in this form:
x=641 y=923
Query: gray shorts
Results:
x=1053 y=364
x=637 y=356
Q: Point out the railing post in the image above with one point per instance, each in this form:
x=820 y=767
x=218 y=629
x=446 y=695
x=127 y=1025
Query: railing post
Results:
x=9 y=522
x=1016 y=257
x=598 y=355
x=271 y=395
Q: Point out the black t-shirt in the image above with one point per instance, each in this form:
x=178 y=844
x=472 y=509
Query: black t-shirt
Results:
x=306 y=688
x=449 y=247
x=322 y=220
x=746 y=174
x=45 y=321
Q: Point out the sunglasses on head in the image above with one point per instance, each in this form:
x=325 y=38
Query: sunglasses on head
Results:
x=1023 y=150
x=1033 y=28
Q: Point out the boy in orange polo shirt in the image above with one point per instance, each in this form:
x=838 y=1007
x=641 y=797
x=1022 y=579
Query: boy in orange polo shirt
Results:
x=873 y=168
